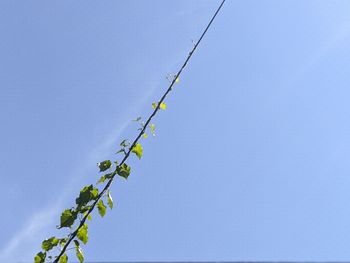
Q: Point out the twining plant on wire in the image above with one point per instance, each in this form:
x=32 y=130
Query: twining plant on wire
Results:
x=99 y=195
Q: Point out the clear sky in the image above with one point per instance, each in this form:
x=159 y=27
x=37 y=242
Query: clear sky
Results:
x=251 y=158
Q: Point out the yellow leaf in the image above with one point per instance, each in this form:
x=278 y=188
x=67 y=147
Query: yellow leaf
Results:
x=152 y=127
x=162 y=106
x=137 y=149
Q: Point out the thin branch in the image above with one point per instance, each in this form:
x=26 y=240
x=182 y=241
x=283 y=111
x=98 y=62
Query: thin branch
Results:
x=107 y=186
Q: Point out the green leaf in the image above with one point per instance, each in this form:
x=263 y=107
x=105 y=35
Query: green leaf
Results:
x=50 y=243
x=121 y=151
x=106 y=176
x=162 y=105
x=40 y=257
x=124 y=143
x=101 y=208
x=84 y=209
x=76 y=242
x=101 y=180
x=124 y=170
x=137 y=119
x=89 y=217
x=104 y=165
x=83 y=234
x=137 y=149
x=94 y=193
x=145 y=135
x=79 y=254
x=153 y=128
x=177 y=80
x=63 y=241
x=109 y=200
x=110 y=175
x=68 y=217
x=63 y=258
x=87 y=194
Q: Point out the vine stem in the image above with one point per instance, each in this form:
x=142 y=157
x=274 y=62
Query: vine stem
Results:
x=107 y=186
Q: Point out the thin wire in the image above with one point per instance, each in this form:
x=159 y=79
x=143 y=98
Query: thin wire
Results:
x=172 y=83
x=107 y=186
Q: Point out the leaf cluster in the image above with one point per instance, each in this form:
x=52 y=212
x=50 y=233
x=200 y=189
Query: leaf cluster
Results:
x=92 y=196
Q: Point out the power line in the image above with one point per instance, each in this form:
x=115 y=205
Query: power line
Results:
x=172 y=83
x=107 y=186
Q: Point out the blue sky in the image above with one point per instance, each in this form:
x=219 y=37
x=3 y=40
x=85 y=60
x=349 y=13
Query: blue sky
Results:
x=251 y=158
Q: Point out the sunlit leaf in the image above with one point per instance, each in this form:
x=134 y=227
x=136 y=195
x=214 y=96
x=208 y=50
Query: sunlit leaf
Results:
x=177 y=80
x=162 y=105
x=145 y=135
x=50 y=243
x=40 y=257
x=152 y=127
x=101 y=208
x=110 y=200
x=94 y=193
x=79 y=254
x=68 y=217
x=105 y=177
x=63 y=258
x=102 y=179
x=104 y=165
x=137 y=149
x=83 y=234
x=124 y=170
x=86 y=194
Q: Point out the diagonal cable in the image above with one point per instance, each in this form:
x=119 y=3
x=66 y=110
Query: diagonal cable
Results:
x=107 y=186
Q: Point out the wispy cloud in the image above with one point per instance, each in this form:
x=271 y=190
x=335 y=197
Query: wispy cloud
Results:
x=24 y=243
x=18 y=245
x=319 y=53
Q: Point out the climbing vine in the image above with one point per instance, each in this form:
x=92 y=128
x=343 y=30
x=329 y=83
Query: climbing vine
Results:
x=92 y=196
x=99 y=194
